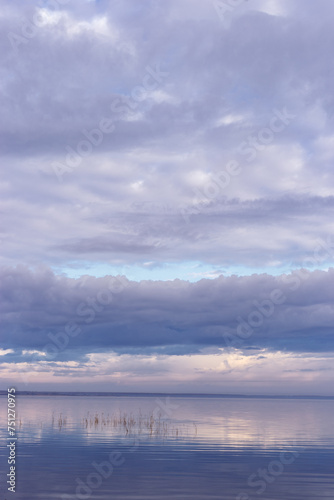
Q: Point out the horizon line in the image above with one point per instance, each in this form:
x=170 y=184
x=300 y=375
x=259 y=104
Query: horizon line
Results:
x=177 y=394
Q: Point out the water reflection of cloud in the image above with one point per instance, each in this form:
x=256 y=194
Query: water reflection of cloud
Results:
x=226 y=423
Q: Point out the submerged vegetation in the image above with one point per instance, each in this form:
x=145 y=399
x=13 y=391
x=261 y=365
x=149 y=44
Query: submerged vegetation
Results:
x=128 y=424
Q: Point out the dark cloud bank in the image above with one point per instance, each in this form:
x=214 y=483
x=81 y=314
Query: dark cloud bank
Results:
x=292 y=313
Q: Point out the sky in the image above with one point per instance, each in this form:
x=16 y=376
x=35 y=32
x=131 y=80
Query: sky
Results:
x=167 y=196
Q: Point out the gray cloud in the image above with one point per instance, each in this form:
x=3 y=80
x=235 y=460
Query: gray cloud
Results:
x=220 y=91
x=173 y=317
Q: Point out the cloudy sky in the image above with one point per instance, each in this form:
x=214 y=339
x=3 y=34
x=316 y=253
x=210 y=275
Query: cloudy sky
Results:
x=167 y=195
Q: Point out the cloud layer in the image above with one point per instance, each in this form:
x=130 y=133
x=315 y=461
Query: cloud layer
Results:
x=178 y=95
x=292 y=313
x=257 y=334
x=142 y=135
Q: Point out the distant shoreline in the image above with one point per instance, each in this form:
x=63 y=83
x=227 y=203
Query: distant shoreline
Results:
x=156 y=394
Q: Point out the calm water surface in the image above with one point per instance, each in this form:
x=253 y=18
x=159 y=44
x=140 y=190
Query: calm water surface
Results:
x=195 y=447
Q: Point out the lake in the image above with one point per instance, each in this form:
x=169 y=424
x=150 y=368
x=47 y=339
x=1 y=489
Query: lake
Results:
x=170 y=447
